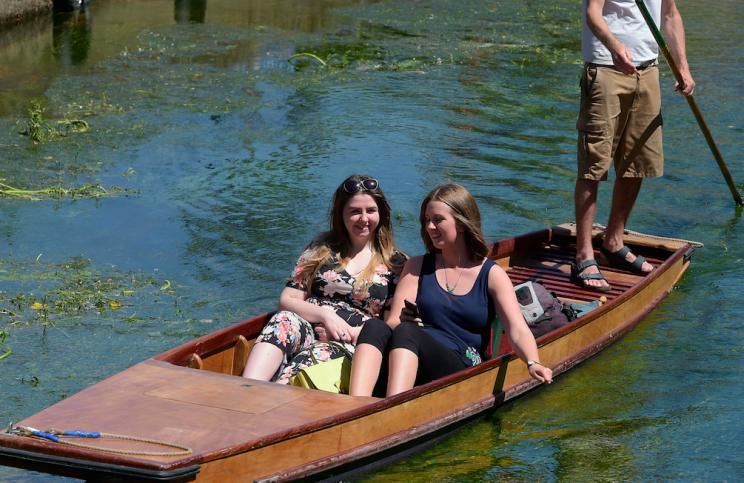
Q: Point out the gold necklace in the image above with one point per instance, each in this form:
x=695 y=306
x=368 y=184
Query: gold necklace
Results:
x=446 y=282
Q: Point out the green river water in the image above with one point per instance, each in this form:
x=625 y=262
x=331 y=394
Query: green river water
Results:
x=219 y=158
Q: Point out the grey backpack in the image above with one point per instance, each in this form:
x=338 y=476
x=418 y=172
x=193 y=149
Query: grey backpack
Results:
x=541 y=309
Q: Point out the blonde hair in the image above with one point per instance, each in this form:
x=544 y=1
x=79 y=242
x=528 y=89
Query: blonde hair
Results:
x=336 y=240
x=465 y=212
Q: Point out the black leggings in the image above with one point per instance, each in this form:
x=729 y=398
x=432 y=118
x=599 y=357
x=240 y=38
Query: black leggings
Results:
x=435 y=360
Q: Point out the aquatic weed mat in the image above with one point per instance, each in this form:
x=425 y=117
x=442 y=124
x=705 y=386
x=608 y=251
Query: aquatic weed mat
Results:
x=197 y=67
x=175 y=73
x=66 y=167
x=419 y=36
x=78 y=292
x=501 y=77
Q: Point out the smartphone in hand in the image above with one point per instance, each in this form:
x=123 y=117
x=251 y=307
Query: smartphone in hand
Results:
x=412 y=307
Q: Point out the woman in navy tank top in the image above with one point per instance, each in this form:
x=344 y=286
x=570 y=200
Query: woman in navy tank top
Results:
x=458 y=291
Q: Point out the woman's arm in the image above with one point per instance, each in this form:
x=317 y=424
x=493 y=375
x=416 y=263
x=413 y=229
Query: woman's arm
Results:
x=295 y=300
x=519 y=335
x=407 y=289
x=355 y=331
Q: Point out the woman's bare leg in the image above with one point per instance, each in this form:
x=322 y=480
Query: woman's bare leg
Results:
x=403 y=369
x=365 y=370
x=263 y=361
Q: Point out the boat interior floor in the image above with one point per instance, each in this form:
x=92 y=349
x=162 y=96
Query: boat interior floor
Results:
x=552 y=266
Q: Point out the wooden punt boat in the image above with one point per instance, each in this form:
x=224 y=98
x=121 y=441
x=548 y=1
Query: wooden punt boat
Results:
x=245 y=430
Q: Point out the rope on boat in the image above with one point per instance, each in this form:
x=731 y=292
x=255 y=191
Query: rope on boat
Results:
x=55 y=435
x=696 y=244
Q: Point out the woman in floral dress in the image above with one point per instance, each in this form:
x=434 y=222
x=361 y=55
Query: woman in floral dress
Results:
x=345 y=277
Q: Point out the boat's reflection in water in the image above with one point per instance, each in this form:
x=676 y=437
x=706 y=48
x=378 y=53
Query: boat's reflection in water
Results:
x=73 y=29
x=68 y=5
x=72 y=36
x=190 y=11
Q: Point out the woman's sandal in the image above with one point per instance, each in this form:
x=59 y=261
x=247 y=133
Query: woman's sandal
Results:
x=578 y=278
x=617 y=260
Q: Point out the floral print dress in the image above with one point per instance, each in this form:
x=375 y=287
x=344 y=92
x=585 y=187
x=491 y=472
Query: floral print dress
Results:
x=332 y=290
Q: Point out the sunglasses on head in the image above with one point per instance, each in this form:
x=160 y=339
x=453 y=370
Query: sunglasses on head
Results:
x=352 y=186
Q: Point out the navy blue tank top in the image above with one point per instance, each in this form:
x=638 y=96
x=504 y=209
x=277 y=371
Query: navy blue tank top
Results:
x=460 y=322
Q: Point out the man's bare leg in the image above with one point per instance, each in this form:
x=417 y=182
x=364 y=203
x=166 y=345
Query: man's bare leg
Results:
x=585 y=199
x=624 y=196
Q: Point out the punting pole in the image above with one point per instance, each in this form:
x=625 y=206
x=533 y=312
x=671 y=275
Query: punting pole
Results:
x=690 y=100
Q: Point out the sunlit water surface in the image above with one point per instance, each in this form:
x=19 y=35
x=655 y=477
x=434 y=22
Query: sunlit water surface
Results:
x=227 y=155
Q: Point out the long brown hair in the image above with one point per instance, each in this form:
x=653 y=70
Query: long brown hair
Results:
x=336 y=240
x=465 y=212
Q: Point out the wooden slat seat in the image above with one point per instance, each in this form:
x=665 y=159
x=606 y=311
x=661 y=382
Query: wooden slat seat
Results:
x=567 y=253
x=552 y=266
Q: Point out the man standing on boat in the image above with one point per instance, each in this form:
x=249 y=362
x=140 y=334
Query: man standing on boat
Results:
x=620 y=121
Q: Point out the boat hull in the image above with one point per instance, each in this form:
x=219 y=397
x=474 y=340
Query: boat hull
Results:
x=263 y=432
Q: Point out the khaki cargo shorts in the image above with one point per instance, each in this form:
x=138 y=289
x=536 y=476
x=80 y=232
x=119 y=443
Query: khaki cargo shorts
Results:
x=619 y=121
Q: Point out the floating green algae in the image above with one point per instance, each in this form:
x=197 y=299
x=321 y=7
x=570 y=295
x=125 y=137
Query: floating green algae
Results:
x=4 y=335
x=43 y=293
x=39 y=129
x=57 y=192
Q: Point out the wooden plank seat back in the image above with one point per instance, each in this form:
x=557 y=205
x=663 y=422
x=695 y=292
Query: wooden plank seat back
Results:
x=240 y=355
x=230 y=359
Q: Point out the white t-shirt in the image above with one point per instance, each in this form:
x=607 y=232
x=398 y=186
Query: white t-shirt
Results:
x=626 y=23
